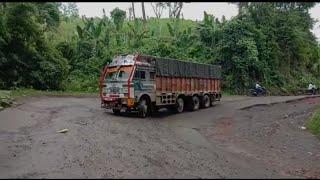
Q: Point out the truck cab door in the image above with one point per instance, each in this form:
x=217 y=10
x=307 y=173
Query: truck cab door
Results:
x=144 y=83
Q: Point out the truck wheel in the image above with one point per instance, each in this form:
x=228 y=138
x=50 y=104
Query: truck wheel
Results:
x=213 y=99
x=116 y=111
x=195 y=103
x=179 y=105
x=206 y=101
x=143 y=108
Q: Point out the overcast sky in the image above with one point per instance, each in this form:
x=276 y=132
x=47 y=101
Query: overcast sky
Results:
x=193 y=11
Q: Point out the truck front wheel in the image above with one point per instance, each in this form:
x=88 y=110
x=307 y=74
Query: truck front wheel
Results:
x=179 y=105
x=143 y=108
x=195 y=103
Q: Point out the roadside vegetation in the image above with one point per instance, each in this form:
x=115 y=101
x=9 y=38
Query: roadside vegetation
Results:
x=47 y=46
x=8 y=97
x=314 y=123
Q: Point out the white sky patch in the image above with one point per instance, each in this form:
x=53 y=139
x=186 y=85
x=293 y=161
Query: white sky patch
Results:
x=193 y=11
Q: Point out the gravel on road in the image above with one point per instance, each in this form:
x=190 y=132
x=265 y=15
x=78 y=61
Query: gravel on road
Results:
x=233 y=139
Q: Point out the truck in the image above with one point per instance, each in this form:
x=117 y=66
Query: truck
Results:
x=144 y=83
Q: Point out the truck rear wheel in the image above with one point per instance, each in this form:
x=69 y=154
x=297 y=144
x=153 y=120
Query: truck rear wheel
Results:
x=179 y=105
x=206 y=101
x=213 y=99
x=195 y=103
x=143 y=108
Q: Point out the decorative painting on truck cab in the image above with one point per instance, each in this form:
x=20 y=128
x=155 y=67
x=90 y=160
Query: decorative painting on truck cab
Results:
x=143 y=82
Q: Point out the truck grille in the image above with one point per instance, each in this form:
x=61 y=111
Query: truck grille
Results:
x=114 y=90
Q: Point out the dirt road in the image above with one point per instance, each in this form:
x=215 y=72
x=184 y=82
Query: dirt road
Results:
x=224 y=141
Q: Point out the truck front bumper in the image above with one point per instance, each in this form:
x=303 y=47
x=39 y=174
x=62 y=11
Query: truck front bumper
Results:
x=117 y=103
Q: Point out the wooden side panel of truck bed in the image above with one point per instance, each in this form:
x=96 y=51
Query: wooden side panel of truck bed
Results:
x=186 y=85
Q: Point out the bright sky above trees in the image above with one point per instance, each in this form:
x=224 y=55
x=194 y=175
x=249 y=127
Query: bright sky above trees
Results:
x=192 y=10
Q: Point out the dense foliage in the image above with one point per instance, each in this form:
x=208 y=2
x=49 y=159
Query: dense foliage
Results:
x=45 y=48
x=27 y=57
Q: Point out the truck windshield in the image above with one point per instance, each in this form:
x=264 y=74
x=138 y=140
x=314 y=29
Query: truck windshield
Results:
x=123 y=75
x=111 y=76
x=120 y=75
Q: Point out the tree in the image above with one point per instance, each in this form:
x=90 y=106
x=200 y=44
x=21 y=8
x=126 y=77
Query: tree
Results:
x=242 y=7
x=133 y=11
x=70 y=9
x=174 y=9
x=143 y=12
x=137 y=33
x=223 y=19
x=48 y=15
x=28 y=59
x=130 y=17
x=158 y=8
x=268 y=42
x=118 y=16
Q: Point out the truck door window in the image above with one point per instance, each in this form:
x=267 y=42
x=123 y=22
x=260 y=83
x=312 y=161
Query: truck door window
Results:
x=142 y=74
x=152 y=75
x=137 y=75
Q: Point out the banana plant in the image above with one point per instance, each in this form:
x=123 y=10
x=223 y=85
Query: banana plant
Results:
x=137 y=33
x=180 y=37
x=96 y=31
x=208 y=29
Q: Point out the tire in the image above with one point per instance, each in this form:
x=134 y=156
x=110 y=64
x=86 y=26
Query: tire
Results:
x=212 y=100
x=179 y=105
x=265 y=92
x=206 y=101
x=143 y=108
x=195 y=103
x=253 y=93
x=116 y=111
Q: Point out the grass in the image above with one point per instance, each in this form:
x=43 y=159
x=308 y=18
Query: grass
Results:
x=8 y=96
x=314 y=123
x=32 y=92
x=5 y=99
x=228 y=93
x=4 y=94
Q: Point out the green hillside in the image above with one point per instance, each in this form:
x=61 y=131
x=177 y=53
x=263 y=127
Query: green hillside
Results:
x=44 y=48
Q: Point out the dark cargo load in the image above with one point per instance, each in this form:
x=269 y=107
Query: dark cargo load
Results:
x=178 y=68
